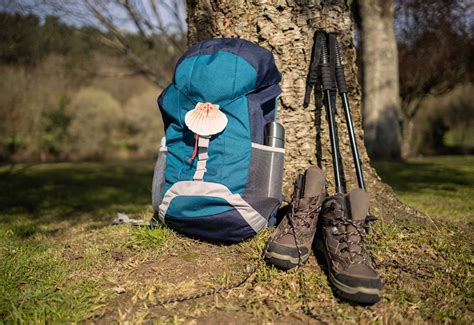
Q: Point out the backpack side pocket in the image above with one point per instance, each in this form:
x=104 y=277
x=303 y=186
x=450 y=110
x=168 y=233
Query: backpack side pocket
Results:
x=159 y=176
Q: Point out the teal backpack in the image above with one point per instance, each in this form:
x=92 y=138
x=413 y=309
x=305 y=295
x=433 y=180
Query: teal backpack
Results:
x=215 y=179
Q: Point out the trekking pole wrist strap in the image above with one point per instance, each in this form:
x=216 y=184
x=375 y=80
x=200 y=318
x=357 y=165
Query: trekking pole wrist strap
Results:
x=312 y=78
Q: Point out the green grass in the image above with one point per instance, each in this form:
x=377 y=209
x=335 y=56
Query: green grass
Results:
x=436 y=267
x=45 y=210
x=442 y=187
x=36 y=287
x=60 y=262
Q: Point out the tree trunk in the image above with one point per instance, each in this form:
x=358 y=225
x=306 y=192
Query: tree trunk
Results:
x=410 y=110
x=407 y=143
x=381 y=99
x=286 y=28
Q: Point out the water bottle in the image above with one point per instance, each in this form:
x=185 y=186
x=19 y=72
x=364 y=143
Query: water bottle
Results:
x=274 y=136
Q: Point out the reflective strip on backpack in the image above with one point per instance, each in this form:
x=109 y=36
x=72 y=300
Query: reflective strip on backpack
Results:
x=190 y=188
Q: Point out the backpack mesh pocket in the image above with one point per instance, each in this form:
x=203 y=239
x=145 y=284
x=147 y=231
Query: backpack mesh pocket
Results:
x=266 y=172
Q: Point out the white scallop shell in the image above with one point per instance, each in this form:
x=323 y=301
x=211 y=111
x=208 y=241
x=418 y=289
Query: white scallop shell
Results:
x=205 y=119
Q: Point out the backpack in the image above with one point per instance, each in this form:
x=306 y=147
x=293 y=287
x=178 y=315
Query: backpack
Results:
x=215 y=185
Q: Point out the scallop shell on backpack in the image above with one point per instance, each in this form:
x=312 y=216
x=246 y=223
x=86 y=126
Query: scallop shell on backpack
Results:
x=205 y=119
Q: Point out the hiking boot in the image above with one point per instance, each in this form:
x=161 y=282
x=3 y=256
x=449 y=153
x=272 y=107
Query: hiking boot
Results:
x=340 y=237
x=290 y=244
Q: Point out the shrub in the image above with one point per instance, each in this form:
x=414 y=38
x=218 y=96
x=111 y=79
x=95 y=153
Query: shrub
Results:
x=144 y=124
x=50 y=112
x=95 y=125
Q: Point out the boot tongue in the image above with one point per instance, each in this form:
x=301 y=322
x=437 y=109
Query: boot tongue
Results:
x=313 y=183
x=358 y=203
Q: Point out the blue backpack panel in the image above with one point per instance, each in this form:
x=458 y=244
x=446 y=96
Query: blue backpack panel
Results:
x=221 y=194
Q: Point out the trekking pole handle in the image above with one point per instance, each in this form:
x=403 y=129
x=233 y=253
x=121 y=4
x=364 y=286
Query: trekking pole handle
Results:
x=326 y=78
x=340 y=76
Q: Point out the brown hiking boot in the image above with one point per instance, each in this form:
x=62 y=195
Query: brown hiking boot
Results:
x=290 y=244
x=340 y=238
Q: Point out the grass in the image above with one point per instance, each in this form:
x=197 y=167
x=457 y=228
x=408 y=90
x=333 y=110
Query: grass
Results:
x=442 y=187
x=44 y=210
x=62 y=263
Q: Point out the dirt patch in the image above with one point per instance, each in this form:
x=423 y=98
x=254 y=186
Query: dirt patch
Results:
x=119 y=256
x=223 y=317
x=192 y=262
x=185 y=268
x=71 y=255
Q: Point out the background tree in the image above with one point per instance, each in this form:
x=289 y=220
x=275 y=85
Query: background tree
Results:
x=380 y=89
x=435 y=43
x=286 y=28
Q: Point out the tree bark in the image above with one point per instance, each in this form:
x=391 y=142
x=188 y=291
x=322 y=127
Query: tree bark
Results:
x=286 y=28
x=380 y=97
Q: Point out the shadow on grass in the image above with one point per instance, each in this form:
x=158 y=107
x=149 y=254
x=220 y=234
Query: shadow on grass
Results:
x=415 y=176
x=74 y=193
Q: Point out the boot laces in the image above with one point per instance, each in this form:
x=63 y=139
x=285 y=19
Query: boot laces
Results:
x=299 y=218
x=303 y=217
x=354 y=239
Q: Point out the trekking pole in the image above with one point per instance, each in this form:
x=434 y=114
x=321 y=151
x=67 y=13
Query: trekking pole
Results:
x=342 y=86
x=327 y=82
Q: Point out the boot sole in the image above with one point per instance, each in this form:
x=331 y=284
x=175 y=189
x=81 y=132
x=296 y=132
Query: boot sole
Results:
x=361 y=295
x=285 y=262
